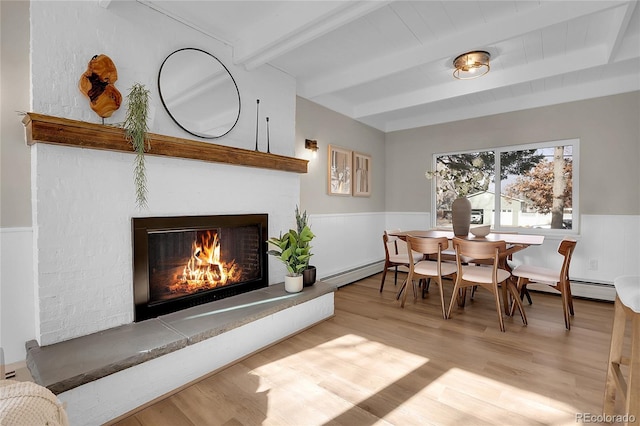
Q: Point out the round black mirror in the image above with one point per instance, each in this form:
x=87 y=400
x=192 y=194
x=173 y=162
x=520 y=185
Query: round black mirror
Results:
x=199 y=93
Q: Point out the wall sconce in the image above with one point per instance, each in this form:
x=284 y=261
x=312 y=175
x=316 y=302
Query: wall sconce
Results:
x=311 y=145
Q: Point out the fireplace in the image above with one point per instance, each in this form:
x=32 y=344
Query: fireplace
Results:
x=184 y=261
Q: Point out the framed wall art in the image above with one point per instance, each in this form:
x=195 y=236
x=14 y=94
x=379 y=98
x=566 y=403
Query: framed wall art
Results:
x=339 y=171
x=361 y=175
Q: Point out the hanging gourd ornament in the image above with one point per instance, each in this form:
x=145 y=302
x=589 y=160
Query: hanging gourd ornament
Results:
x=97 y=84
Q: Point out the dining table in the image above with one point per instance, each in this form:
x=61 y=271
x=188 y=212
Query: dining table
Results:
x=515 y=242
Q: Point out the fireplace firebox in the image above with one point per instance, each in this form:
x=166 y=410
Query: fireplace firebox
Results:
x=184 y=261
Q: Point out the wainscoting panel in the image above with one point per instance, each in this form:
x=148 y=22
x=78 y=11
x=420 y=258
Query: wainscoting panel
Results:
x=351 y=242
x=608 y=246
x=346 y=241
x=17 y=303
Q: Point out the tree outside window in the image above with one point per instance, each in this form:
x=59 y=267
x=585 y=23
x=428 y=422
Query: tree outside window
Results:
x=535 y=185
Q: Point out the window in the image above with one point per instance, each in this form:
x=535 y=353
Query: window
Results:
x=537 y=186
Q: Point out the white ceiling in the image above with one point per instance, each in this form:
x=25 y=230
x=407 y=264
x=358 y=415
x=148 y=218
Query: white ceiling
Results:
x=389 y=63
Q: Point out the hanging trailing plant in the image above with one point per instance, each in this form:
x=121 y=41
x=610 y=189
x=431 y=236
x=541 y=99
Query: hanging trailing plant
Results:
x=135 y=126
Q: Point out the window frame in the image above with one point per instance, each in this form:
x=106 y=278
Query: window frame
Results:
x=497 y=151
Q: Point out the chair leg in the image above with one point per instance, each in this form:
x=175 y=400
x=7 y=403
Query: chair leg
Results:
x=454 y=297
x=395 y=276
x=498 y=307
x=516 y=302
x=444 y=313
x=521 y=288
x=506 y=296
x=404 y=293
x=415 y=290
x=526 y=293
x=425 y=287
x=565 y=308
x=569 y=297
x=462 y=297
x=384 y=275
x=402 y=288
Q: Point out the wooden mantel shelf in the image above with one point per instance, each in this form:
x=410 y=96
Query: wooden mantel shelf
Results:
x=62 y=131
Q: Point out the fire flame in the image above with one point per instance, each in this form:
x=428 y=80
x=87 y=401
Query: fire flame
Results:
x=205 y=270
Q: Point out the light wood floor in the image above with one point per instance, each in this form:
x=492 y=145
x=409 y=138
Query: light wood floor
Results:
x=375 y=363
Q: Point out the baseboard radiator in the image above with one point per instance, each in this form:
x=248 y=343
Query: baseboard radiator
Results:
x=355 y=274
x=584 y=289
x=579 y=288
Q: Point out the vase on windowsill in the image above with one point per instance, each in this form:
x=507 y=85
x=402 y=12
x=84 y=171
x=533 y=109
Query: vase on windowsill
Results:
x=461 y=216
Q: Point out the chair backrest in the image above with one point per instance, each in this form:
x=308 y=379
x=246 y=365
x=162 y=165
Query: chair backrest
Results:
x=391 y=243
x=385 y=242
x=426 y=246
x=478 y=250
x=566 y=247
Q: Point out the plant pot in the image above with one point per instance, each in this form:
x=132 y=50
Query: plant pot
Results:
x=309 y=276
x=461 y=216
x=293 y=284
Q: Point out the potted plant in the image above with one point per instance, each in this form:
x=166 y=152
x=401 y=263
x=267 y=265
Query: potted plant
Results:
x=309 y=272
x=293 y=250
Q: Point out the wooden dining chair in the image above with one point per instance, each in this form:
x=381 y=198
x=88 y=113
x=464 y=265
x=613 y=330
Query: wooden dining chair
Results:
x=485 y=276
x=395 y=255
x=558 y=279
x=432 y=267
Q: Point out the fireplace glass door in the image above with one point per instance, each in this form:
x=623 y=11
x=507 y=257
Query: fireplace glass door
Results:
x=201 y=261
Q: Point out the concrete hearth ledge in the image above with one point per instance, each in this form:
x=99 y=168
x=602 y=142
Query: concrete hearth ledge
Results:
x=66 y=365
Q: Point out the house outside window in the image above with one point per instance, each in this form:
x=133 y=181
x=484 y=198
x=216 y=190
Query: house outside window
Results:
x=535 y=190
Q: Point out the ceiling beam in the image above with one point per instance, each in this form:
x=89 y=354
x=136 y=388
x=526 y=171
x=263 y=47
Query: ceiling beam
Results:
x=155 y=5
x=293 y=28
x=613 y=86
x=549 y=13
x=619 y=28
x=558 y=65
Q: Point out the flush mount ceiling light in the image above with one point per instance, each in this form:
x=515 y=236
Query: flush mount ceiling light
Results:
x=471 y=65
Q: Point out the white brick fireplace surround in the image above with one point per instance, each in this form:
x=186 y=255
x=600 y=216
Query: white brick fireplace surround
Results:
x=83 y=202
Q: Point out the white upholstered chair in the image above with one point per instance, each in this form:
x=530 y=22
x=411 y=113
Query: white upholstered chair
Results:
x=428 y=268
x=395 y=255
x=485 y=276
x=557 y=279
